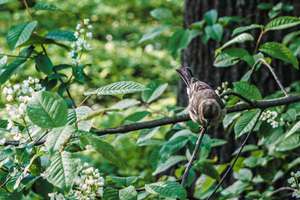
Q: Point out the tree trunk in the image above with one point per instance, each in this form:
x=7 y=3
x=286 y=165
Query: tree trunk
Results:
x=200 y=57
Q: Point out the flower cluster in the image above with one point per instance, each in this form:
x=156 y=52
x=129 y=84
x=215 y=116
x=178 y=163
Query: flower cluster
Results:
x=17 y=97
x=82 y=33
x=222 y=89
x=89 y=184
x=270 y=117
x=294 y=182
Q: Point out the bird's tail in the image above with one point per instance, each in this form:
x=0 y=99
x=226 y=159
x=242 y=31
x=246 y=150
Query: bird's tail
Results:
x=186 y=75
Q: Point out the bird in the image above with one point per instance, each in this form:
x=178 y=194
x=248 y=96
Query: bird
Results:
x=204 y=105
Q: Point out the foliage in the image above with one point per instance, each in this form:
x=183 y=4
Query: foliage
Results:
x=54 y=143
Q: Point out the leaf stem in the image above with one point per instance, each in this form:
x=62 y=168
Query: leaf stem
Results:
x=275 y=77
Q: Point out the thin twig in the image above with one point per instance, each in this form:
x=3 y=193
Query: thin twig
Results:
x=26 y=128
x=236 y=158
x=275 y=76
x=27 y=8
x=282 y=189
x=15 y=56
x=194 y=154
x=259 y=39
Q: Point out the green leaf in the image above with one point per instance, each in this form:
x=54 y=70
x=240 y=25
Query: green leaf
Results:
x=45 y=6
x=293 y=130
x=281 y=52
x=153 y=33
x=44 y=64
x=247 y=90
x=104 y=148
x=60 y=35
x=211 y=17
x=154 y=92
x=161 y=14
x=62 y=170
x=7 y=71
x=122 y=87
x=110 y=193
x=137 y=116
x=180 y=40
x=6 y=1
x=123 y=181
x=244 y=175
x=245 y=123
x=214 y=32
x=207 y=168
x=57 y=138
x=81 y=113
x=173 y=160
x=128 y=193
x=238 y=39
x=47 y=110
x=246 y=28
x=240 y=53
x=225 y=60
x=167 y=189
x=282 y=23
x=173 y=145
x=289 y=143
x=125 y=103
x=19 y=34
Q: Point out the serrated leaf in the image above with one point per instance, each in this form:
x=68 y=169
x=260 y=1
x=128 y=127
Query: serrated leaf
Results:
x=173 y=160
x=225 y=60
x=247 y=90
x=110 y=193
x=246 y=28
x=281 y=52
x=57 y=138
x=44 y=6
x=238 y=39
x=7 y=71
x=211 y=17
x=245 y=123
x=19 y=34
x=154 y=92
x=125 y=103
x=214 y=32
x=62 y=170
x=47 y=110
x=104 y=148
x=293 y=130
x=167 y=189
x=289 y=143
x=128 y=193
x=60 y=35
x=240 y=53
x=81 y=113
x=118 y=88
x=173 y=145
x=44 y=64
x=282 y=23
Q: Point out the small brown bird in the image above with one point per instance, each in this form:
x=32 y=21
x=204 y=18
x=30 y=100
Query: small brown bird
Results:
x=205 y=106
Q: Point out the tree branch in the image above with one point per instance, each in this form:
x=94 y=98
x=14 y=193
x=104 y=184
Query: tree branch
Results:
x=194 y=154
x=262 y=104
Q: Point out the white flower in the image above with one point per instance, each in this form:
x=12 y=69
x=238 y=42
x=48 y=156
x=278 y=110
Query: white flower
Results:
x=78 y=26
x=9 y=98
x=89 y=35
x=86 y=21
x=2 y=141
x=90 y=26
